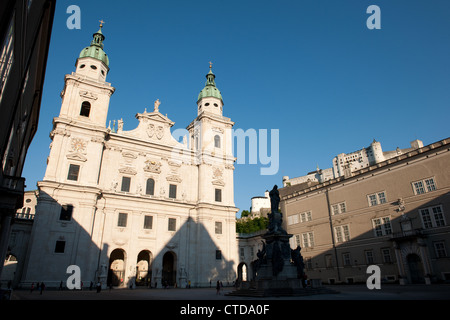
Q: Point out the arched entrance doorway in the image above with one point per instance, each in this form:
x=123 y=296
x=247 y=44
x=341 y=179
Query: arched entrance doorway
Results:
x=144 y=268
x=415 y=268
x=168 y=269
x=116 y=272
x=242 y=272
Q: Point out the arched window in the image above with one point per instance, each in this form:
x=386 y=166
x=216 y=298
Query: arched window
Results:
x=217 y=141
x=85 y=109
x=150 y=189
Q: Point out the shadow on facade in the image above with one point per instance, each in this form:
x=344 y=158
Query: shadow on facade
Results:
x=190 y=258
x=57 y=240
x=409 y=249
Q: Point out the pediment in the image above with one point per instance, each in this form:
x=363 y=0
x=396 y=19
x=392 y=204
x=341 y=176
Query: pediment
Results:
x=155 y=116
x=76 y=157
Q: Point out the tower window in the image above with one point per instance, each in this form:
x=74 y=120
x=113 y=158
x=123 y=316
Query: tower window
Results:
x=217 y=141
x=74 y=170
x=66 y=212
x=60 y=246
x=85 y=109
x=93 y=67
x=218 y=195
x=82 y=66
x=216 y=105
x=150 y=189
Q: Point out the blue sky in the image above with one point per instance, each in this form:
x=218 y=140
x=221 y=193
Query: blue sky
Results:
x=311 y=69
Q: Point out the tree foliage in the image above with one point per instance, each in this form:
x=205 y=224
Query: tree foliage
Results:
x=251 y=225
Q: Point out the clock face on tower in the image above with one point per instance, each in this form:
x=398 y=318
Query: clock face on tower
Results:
x=78 y=145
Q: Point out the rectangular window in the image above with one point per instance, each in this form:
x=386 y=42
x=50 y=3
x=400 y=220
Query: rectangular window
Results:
x=60 y=246
x=305 y=216
x=346 y=259
x=293 y=219
x=382 y=226
x=369 y=257
x=418 y=187
x=297 y=240
x=148 y=222
x=173 y=191
x=242 y=252
x=66 y=212
x=386 y=255
x=430 y=184
x=439 y=248
x=308 y=240
x=126 y=181
x=218 y=195
x=432 y=217
x=342 y=233
x=122 y=220
x=218 y=255
x=328 y=261
x=74 y=170
x=218 y=227
x=377 y=198
x=172 y=224
x=425 y=185
x=338 y=208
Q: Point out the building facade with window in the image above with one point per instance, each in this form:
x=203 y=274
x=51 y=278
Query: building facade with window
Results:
x=134 y=207
x=394 y=214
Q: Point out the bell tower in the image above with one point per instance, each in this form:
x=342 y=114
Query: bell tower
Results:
x=80 y=129
x=211 y=142
x=86 y=93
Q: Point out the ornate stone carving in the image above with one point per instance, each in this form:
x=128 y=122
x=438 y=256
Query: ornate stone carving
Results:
x=152 y=130
x=152 y=166
x=173 y=178
x=88 y=95
x=128 y=170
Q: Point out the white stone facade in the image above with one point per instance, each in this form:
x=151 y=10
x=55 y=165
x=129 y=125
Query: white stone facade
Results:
x=133 y=207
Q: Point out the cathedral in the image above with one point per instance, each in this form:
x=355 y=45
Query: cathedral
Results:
x=134 y=207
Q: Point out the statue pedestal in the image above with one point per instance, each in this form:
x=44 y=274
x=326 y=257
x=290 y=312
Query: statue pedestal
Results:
x=276 y=273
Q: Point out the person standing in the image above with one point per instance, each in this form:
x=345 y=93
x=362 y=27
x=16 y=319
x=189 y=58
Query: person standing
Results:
x=42 y=287
x=218 y=287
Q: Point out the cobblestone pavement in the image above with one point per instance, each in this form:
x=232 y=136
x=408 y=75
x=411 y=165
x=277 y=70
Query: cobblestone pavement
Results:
x=346 y=292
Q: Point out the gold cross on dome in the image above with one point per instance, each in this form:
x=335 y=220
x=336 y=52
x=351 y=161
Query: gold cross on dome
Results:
x=210 y=64
x=101 y=22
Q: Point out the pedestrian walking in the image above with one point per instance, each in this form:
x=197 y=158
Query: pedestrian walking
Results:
x=99 y=287
x=218 y=288
x=42 y=287
x=32 y=287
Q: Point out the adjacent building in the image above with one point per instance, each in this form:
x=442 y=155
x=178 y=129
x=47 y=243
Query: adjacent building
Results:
x=393 y=212
x=25 y=29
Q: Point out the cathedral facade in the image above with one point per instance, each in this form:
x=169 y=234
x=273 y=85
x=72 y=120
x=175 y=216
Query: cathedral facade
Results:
x=134 y=207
